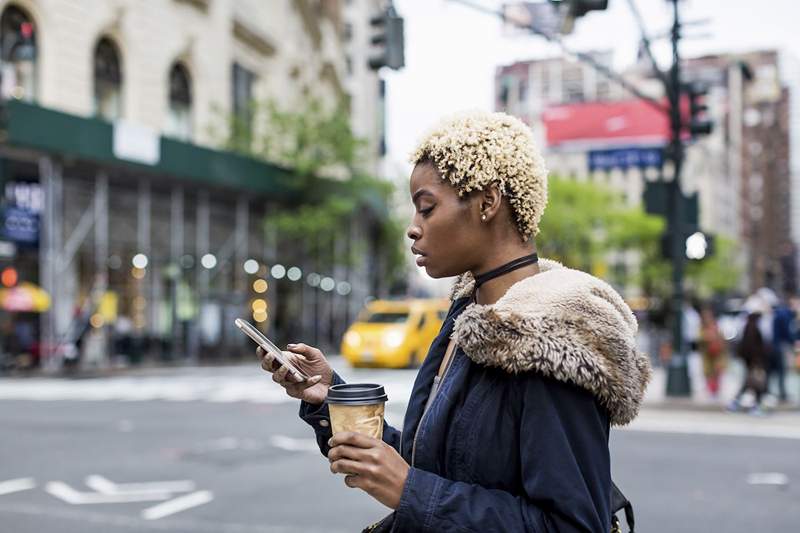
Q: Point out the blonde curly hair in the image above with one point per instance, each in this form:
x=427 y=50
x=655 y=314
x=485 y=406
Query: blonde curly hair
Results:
x=475 y=149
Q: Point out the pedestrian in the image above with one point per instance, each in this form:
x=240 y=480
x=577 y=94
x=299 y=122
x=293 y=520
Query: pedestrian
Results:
x=783 y=338
x=753 y=350
x=508 y=422
x=712 y=346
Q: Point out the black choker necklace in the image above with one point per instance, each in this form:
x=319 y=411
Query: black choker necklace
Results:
x=504 y=269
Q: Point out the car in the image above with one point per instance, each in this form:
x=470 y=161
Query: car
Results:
x=394 y=333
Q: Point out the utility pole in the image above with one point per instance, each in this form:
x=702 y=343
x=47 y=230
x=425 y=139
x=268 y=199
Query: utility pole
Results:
x=678 y=373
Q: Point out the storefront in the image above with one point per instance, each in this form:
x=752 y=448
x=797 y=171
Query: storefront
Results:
x=150 y=247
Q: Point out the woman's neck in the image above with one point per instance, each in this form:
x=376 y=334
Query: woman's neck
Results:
x=495 y=288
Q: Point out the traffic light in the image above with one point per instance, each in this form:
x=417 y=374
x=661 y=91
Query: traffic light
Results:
x=389 y=38
x=574 y=9
x=699 y=123
x=699 y=246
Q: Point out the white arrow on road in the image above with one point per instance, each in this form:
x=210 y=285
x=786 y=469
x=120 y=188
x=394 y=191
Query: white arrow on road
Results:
x=106 y=486
x=177 y=505
x=16 y=485
x=66 y=493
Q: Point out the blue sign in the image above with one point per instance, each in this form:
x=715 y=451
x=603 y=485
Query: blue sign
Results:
x=19 y=225
x=624 y=158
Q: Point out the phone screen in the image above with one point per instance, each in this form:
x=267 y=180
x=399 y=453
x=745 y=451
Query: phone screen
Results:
x=260 y=339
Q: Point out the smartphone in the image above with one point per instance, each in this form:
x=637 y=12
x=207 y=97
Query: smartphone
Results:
x=259 y=338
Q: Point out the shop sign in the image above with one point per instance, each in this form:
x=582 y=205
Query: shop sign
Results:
x=19 y=225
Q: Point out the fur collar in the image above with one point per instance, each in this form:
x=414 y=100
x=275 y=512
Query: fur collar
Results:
x=565 y=324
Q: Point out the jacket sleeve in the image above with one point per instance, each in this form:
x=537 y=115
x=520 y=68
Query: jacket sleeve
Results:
x=319 y=418
x=565 y=474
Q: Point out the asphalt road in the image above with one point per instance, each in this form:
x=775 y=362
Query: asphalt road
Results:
x=250 y=466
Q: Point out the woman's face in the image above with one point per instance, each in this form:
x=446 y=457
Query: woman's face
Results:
x=444 y=228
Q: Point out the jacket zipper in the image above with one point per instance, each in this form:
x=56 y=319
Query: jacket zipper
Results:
x=422 y=419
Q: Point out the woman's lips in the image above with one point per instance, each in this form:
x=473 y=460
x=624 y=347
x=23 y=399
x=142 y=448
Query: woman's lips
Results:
x=420 y=256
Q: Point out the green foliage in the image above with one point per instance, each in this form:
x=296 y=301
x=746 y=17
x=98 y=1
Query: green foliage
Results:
x=314 y=142
x=585 y=222
x=718 y=274
x=573 y=223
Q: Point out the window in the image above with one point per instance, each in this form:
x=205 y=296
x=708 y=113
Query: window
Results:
x=573 y=84
x=243 y=81
x=504 y=91
x=179 y=118
x=107 y=80
x=523 y=91
x=386 y=318
x=18 y=54
x=348 y=61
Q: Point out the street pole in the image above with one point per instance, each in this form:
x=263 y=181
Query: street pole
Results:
x=678 y=374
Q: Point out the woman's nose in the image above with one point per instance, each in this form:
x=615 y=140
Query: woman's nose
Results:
x=413 y=232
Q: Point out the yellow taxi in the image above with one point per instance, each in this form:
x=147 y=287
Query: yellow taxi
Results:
x=394 y=333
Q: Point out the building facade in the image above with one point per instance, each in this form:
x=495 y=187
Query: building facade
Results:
x=140 y=230
x=744 y=172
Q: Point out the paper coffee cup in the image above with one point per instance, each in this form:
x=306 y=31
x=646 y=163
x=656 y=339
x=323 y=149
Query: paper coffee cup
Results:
x=357 y=407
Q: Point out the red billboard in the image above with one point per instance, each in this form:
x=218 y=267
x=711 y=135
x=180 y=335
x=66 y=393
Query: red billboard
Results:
x=629 y=123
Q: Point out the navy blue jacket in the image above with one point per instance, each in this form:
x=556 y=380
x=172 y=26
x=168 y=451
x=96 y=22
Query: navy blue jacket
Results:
x=497 y=451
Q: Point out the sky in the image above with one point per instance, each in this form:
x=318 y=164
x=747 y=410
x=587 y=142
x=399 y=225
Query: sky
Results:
x=452 y=51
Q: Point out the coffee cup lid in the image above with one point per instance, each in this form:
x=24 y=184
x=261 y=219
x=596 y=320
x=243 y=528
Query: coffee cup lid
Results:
x=356 y=394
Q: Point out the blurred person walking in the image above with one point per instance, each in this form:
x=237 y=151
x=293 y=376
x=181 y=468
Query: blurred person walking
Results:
x=508 y=423
x=712 y=347
x=783 y=338
x=753 y=350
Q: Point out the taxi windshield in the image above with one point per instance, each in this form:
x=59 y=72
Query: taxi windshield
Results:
x=386 y=318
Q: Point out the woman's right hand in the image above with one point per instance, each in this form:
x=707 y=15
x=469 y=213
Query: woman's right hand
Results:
x=311 y=361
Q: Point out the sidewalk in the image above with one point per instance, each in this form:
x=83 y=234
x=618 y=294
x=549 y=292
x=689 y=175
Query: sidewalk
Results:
x=701 y=399
x=243 y=372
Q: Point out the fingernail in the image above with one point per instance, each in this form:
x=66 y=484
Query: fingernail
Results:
x=330 y=442
x=290 y=345
x=316 y=379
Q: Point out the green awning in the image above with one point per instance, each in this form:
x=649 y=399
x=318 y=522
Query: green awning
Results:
x=30 y=126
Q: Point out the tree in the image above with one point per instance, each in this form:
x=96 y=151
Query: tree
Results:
x=335 y=194
x=585 y=223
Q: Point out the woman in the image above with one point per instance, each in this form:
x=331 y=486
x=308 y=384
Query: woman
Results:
x=507 y=425
x=712 y=345
x=753 y=349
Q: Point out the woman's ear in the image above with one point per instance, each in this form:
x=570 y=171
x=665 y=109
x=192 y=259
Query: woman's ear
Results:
x=490 y=200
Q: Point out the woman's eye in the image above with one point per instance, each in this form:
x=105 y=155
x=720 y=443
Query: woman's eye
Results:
x=427 y=211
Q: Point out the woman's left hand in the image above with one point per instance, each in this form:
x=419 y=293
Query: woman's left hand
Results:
x=370 y=465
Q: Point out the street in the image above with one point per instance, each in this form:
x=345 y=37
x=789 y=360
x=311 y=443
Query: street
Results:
x=239 y=460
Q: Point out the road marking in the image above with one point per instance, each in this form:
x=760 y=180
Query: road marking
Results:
x=177 y=505
x=768 y=478
x=75 y=519
x=64 y=492
x=294 y=445
x=105 y=486
x=16 y=485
